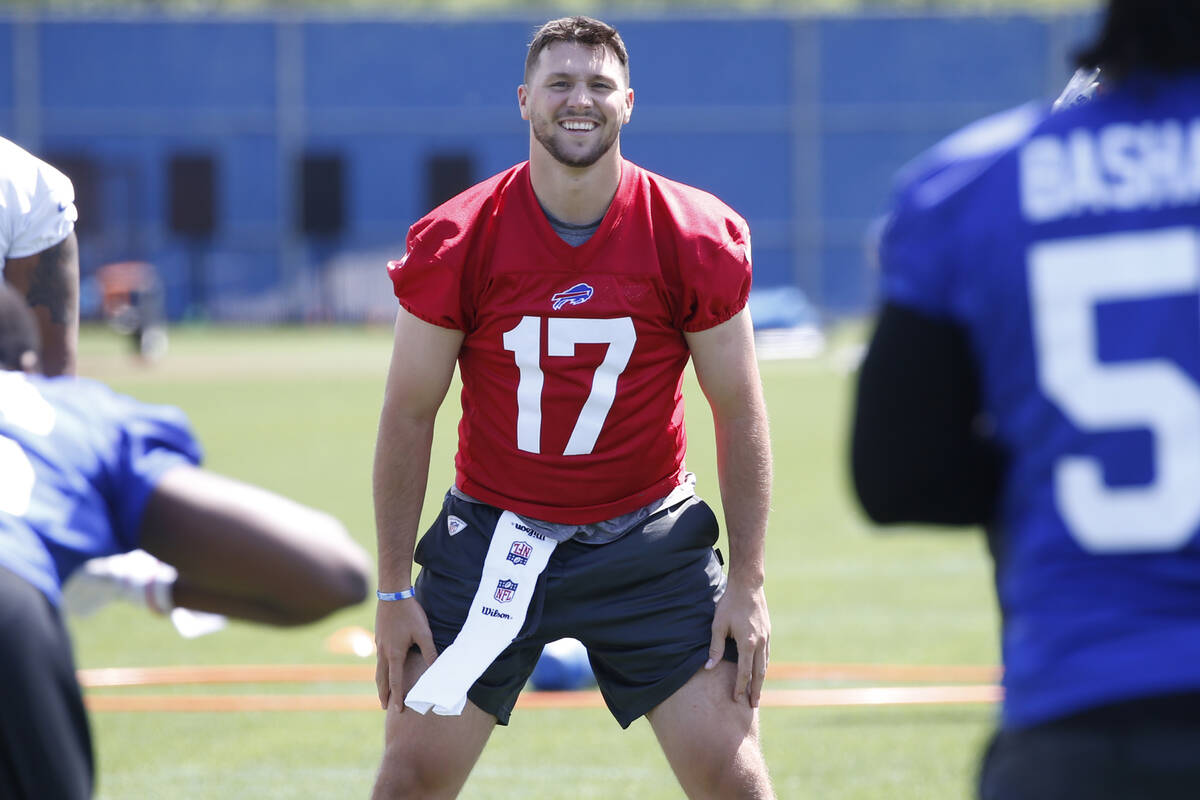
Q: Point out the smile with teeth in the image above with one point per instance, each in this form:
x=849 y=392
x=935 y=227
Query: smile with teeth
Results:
x=578 y=124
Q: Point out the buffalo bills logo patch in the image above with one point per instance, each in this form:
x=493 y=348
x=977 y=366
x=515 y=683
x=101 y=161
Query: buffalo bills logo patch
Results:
x=578 y=294
x=519 y=553
x=505 y=590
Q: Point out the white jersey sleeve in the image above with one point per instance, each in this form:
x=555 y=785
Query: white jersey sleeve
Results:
x=37 y=203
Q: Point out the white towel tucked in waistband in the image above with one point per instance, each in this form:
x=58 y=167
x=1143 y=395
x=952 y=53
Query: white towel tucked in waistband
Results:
x=516 y=557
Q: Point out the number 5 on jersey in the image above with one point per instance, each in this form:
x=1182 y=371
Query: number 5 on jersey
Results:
x=1068 y=280
x=562 y=334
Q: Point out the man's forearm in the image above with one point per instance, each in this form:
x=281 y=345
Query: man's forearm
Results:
x=50 y=282
x=744 y=469
x=401 y=474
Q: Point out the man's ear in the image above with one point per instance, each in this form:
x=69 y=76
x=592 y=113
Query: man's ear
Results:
x=522 y=101
x=628 y=104
x=29 y=362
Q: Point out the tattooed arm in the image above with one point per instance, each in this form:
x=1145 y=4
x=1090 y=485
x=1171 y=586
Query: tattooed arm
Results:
x=49 y=280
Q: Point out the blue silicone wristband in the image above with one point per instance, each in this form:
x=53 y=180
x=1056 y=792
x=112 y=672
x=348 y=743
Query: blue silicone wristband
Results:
x=403 y=594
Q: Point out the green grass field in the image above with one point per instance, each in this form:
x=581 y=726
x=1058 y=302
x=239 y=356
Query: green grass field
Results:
x=296 y=411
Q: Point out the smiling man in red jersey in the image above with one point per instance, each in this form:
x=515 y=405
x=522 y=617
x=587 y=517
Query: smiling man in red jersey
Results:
x=571 y=290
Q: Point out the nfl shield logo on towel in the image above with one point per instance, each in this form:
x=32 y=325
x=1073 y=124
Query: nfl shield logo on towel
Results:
x=505 y=590
x=519 y=553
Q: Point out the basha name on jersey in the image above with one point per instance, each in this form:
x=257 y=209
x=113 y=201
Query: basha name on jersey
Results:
x=1119 y=167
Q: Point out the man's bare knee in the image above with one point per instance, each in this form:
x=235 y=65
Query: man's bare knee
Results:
x=711 y=741
x=429 y=756
x=403 y=775
x=724 y=768
x=743 y=776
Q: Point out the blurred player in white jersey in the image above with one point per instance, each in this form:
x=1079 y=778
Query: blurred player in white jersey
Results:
x=39 y=256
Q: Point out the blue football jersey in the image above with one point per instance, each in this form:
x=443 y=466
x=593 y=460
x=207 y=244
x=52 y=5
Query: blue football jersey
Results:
x=79 y=462
x=1068 y=247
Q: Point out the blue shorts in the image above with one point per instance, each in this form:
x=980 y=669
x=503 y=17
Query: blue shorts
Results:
x=642 y=604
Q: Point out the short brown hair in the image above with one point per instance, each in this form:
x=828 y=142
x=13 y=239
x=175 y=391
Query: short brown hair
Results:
x=18 y=329
x=580 y=30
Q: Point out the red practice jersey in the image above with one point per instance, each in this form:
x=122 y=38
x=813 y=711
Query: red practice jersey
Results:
x=572 y=365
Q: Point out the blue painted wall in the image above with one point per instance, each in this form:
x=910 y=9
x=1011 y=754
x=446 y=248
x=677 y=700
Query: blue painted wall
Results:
x=798 y=123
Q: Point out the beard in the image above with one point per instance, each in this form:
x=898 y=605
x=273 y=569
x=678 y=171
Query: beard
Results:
x=545 y=132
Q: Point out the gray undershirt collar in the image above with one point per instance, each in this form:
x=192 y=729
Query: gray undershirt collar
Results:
x=569 y=232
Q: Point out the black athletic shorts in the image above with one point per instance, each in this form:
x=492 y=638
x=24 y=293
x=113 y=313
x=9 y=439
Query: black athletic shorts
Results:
x=45 y=746
x=642 y=605
x=1146 y=749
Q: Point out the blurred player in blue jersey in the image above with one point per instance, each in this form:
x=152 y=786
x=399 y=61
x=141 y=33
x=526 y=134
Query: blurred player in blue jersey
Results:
x=1036 y=370
x=86 y=473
